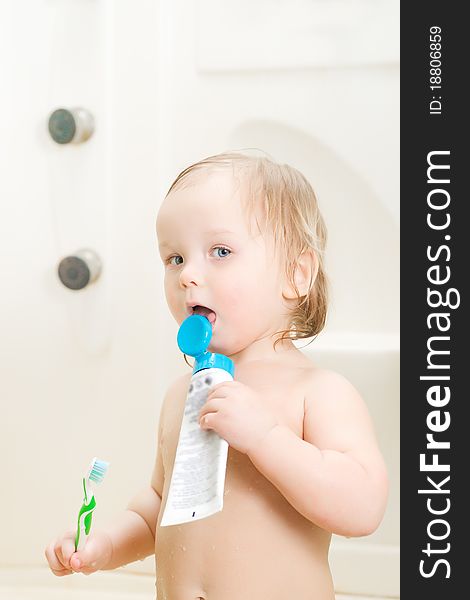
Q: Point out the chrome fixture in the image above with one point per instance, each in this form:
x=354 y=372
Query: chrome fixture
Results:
x=73 y=125
x=80 y=269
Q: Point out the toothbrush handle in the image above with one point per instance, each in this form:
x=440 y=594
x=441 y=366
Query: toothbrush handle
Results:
x=84 y=523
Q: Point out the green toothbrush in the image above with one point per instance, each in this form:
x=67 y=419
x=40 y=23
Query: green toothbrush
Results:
x=95 y=474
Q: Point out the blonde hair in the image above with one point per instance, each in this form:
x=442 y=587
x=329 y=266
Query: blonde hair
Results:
x=292 y=215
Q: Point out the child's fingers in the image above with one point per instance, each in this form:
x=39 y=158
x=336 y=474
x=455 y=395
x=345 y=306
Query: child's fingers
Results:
x=84 y=569
x=75 y=562
x=211 y=406
x=220 y=390
x=67 y=548
x=88 y=559
x=63 y=560
x=55 y=564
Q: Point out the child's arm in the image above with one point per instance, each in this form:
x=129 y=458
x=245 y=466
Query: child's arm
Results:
x=133 y=536
x=129 y=538
x=335 y=476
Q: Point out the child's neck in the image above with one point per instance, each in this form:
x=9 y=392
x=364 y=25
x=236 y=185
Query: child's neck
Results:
x=262 y=350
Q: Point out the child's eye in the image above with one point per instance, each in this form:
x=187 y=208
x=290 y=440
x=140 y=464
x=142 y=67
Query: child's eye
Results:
x=221 y=251
x=169 y=261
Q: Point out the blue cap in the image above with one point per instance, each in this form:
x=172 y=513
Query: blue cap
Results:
x=194 y=336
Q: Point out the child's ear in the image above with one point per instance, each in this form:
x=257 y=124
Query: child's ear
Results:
x=305 y=271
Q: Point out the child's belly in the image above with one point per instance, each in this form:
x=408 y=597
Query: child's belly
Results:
x=257 y=547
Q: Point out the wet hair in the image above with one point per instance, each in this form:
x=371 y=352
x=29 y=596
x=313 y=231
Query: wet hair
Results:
x=290 y=211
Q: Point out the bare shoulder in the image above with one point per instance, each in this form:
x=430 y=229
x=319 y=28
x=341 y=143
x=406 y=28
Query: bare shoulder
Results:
x=172 y=405
x=179 y=384
x=337 y=418
x=326 y=389
x=175 y=396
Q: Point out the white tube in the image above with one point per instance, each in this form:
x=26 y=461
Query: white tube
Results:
x=197 y=482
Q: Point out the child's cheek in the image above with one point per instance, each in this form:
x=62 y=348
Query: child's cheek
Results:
x=172 y=302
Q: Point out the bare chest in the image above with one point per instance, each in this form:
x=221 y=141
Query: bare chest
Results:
x=257 y=524
x=281 y=393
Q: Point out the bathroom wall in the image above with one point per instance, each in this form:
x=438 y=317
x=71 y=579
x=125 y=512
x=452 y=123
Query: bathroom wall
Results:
x=313 y=83
x=82 y=373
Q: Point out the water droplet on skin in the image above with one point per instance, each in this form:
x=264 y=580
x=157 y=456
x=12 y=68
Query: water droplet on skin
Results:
x=250 y=489
x=183 y=548
x=213 y=547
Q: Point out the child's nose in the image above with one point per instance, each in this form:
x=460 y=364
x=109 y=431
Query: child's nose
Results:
x=190 y=276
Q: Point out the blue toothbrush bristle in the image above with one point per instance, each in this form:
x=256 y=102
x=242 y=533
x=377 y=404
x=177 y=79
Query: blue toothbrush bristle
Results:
x=98 y=470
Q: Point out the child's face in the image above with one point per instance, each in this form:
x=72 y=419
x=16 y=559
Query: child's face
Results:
x=214 y=257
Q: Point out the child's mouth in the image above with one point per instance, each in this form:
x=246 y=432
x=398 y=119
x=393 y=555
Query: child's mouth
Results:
x=205 y=312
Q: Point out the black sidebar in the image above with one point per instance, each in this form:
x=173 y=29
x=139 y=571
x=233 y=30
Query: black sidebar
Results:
x=435 y=253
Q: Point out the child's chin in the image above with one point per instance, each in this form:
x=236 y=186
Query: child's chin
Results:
x=219 y=348
x=226 y=348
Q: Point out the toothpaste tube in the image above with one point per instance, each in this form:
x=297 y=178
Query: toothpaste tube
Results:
x=197 y=483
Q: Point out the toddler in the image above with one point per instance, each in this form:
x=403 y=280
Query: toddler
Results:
x=242 y=242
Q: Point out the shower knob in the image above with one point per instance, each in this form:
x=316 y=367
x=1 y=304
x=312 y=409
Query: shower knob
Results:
x=80 y=269
x=71 y=126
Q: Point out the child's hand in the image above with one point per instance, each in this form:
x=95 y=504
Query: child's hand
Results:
x=63 y=560
x=237 y=414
